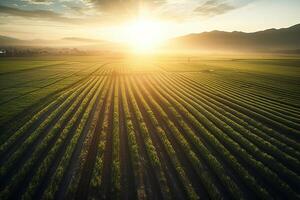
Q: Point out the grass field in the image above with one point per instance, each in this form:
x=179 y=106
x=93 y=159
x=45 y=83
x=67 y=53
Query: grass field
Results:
x=174 y=128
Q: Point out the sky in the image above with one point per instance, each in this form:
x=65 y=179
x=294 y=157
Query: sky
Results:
x=110 y=19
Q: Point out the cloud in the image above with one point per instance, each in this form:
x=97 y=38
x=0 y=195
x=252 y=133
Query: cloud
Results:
x=45 y=2
x=75 y=7
x=124 y=7
x=212 y=8
x=38 y=14
x=117 y=11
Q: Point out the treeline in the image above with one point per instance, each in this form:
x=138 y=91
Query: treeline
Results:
x=31 y=51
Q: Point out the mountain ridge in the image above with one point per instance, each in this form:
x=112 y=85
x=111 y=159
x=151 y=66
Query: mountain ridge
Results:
x=266 y=40
x=269 y=40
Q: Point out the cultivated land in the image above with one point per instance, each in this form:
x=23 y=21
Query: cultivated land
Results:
x=174 y=128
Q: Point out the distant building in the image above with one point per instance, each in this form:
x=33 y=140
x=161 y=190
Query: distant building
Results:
x=2 y=51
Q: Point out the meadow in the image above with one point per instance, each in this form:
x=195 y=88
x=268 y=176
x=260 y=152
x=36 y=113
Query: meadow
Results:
x=169 y=127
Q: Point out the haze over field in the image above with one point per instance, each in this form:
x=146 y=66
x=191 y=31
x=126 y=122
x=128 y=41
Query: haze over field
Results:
x=267 y=41
x=147 y=24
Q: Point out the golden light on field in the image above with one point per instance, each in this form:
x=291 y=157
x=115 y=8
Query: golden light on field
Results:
x=144 y=34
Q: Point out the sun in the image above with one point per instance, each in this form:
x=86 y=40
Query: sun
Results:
x=144 y=34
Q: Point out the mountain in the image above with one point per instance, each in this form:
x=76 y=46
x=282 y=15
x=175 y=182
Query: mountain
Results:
x=271 y=40
x=284 y=40
x=64 y=42
x=78 y=39
x=9 y=41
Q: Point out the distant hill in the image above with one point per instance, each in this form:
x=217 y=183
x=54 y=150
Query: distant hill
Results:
x=284 y=40
x=8 y=41
x=64 y=42
x=273 y=40
x=85 y=40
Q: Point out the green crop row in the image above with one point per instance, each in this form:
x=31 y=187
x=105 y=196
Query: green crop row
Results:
x=227 y=123
x=167 y=145
x=205 y=153
x=133 y=146
x=44 y=144
x=88 y=102
x=229 y=107
x=96 y=179
x=154 y=160
x=194 y=116
x=116 y=171
x=36 y=117
x=271 y=120
x=82 y=159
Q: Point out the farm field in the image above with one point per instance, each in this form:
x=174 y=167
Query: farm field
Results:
x=24 y=81
x=165 y=128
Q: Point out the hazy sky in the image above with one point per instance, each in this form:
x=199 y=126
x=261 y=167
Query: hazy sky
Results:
x=106 y=19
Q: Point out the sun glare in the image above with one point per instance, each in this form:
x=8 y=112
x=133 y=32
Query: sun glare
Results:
x=144 y=35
